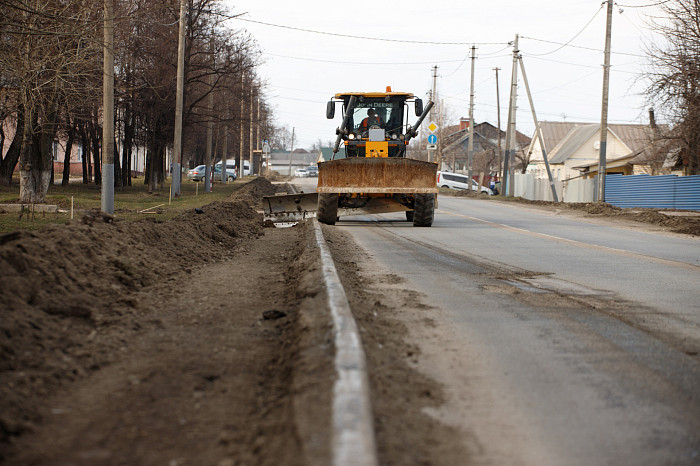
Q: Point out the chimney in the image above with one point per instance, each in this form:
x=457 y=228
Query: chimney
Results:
x=463 y=124
x=652 y=124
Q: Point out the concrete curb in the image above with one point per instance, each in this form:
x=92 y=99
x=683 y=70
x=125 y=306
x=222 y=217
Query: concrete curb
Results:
x=353 y=431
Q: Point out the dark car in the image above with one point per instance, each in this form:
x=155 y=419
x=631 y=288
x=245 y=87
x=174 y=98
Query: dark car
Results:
x=312 y=171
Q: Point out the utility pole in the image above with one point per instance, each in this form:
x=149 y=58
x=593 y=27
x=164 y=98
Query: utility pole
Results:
x=177 y=141
x=290 y=152
x=257 y=131
x=434 y=155
x=250 y=129
x=240 y=133
x=602 y=169
x=538 y=131
x=224 y=155
x=498 y=113
x=108 y=111
x=210 y=124
x=470 y=146
x=510 y=131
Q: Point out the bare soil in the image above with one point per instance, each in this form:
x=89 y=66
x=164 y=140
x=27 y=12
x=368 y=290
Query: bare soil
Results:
x=158 y=342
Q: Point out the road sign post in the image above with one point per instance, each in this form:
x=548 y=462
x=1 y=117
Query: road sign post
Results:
x=432 y=141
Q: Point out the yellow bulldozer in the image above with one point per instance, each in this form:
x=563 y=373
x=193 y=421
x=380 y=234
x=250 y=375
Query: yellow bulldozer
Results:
x=374 y=176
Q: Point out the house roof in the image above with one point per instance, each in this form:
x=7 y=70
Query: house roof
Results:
x=484 y=132
x=573 y=140
x=635 y=137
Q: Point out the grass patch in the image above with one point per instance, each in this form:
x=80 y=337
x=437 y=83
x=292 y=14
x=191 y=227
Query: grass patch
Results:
x=129 y=202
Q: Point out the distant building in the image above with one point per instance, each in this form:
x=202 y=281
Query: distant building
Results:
x=280 y=161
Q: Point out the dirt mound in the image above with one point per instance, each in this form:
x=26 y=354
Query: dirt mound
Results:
x=594 y=208
x=65 y=284
x=470 y=193
x=274 y=176
x=254 y=191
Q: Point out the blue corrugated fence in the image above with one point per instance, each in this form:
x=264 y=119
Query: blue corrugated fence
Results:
x=657 y=192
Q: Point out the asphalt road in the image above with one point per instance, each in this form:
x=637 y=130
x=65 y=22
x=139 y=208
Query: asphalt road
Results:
x=558 y=341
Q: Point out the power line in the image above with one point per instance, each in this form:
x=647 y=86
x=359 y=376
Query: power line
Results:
x=573 y=38
x=582 y=47
x=349 y=36
x=359 y=63
x=643 y=6
x=574 y=64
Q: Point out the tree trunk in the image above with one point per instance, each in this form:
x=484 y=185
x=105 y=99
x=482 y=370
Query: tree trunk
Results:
x=34 y=178
x=69 y=149
x=8 y=164
x=117 y=168
x=96 y=152
x=128 y=141
x=47 y=135
x=147 y=175
x=86 y=151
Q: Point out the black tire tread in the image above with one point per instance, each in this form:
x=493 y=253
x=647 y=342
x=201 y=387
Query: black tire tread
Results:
x=424 y=209
x=327 y=208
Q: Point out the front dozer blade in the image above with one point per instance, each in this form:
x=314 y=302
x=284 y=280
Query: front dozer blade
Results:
x=371 y=175
x=282 y=208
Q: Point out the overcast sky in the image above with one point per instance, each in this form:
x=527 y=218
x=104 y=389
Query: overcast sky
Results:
x=303 y=69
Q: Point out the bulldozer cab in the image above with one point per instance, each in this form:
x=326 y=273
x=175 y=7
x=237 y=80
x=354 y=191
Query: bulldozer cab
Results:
x=376 y=123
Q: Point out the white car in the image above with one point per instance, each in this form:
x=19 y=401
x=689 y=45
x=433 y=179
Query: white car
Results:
x=231 y=167
x=300 y=173
x=459 y=181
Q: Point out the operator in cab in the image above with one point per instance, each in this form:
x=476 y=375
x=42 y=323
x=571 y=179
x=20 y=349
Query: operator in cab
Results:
x=371 y=120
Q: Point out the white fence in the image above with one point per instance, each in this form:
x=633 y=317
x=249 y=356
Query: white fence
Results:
x=579 y=190
x=528 y=187
x=525 y=185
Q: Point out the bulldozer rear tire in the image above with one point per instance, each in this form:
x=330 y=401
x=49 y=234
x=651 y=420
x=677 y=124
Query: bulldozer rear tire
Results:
x=327 y=208
x=423 y=209
x=409 y=215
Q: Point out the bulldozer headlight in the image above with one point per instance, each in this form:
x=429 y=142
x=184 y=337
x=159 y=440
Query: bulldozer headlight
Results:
x=394 y=136
x=402 y=137
x=351 y=136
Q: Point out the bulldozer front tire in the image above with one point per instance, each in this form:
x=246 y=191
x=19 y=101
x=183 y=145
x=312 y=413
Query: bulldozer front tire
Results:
x=327 y=208
x=409 y=215
x=423 y=209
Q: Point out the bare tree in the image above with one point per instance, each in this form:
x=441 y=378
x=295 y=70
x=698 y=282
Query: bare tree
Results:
x=674 y=75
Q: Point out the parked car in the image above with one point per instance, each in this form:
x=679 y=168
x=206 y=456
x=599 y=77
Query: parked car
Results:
x=312 y=171
x=196 y=173
x=230 y=173
x=300 y=173
x=459 y=181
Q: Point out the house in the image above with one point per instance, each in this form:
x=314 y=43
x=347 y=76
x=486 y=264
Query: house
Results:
x=573 y=148
x=455 y=146
x=284 y=162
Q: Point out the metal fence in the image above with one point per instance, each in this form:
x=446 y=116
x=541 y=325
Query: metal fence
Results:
x=658 y=192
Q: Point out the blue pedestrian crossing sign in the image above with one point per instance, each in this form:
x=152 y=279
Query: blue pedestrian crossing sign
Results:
x=432 y=139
